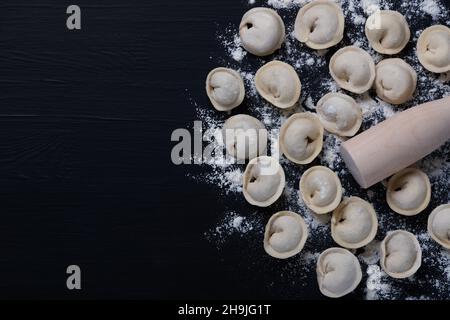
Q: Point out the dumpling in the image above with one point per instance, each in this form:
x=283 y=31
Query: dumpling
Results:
x=353 y=69
x=301 y=138
x=225 y=88
x=320 y=189
x=439 y=225
x=338 y=272
x=320 y=24
x=387 y=31
x=400 y=254
x=278 y=83
x=408 y=192
x=262 y=31
x=264 y=181
x=354 y=223
x=433 y=49
x=245 y=137
x=285 y=235
x=340 y=114
x=395 y=81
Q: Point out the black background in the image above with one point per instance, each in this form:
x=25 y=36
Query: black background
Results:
x=85 y=171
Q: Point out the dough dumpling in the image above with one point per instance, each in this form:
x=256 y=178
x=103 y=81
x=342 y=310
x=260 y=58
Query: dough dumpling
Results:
x=395 y=81
x=338 y=272
x=387 y=31
x=409 y=192
x=264 y=181
x=320 y=24
x=225 y=88
x=400 y=254
x=433 y=49
x=340 y=114
x=439 y=225
x=245 y=137
x=321 y=189
x=278 y=83
x=285 y=235
x=262 y=31
x=301 y=138
x=353 y=69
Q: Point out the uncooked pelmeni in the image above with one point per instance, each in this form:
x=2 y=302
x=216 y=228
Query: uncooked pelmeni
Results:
x=262 y=31
x=263 y=182
x=338 y=272
x=408 y=192
x=285 y=235
x=354 y=223
x=225 y=88
x=439 y=225
x=433 y=49
x=353 y=69
x=387 y=31
x=245 y=137
x=320 y=24
x=301 y=138
x=340 y=114
x=278 y=83
x=400 y=254
x=395 y=81
x=320 y=189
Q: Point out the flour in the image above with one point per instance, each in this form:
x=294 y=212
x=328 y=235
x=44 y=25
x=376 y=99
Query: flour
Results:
x=244 y=230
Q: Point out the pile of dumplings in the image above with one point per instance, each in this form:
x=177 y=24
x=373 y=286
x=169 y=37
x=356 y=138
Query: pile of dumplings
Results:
x=354 y=223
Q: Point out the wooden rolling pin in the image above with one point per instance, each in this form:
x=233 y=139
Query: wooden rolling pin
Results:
x=398 y=142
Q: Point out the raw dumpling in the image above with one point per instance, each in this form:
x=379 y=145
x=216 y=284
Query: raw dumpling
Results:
x=433 y=49
x=387 y=31
x=395 y=81
x=301 y=138
x=340 y=114
x=262 y=31
x=278 y=83
x=285 y=235
x=245 y=137
x=338 y=272
x=354 y=223
x=401 y=255
x=320 y=24
x=264 y=181
x=353 y=69
x=321 y=189
x=225 y=89
x=408 y=192
x=439 y=225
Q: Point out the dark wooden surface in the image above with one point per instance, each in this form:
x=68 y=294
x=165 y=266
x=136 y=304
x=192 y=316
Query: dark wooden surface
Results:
x=85 y=170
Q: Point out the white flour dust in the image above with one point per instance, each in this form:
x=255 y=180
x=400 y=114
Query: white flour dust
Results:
x=433 y=279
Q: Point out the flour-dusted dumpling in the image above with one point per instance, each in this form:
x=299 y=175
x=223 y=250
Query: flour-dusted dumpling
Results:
x=320 y=189
x=340 y=114
x=225 y=88
x=278 y=83
x=320 y=24
x=264 y=181
x=439 y=225
x=408 y=192
x=338 y=272
x=301 y=138
x=285 y=235
x=387 y=31
x=400 y=254
x=262 y=31
x=353 y=69
x=433 y=49
x=354 y=223
x=395 y=81
x=245 y=137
